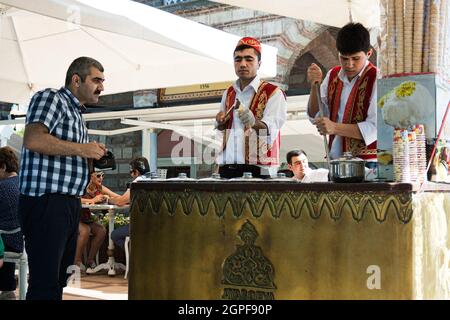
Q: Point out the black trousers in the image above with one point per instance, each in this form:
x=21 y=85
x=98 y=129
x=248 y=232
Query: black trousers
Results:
x=229 y=171
x=7 y=274
x=50 y=226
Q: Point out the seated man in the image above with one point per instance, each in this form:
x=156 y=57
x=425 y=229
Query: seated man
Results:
x=138 y=168
x=298 y=164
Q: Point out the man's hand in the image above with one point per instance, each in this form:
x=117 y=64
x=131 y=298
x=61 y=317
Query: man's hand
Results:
x=93 y=150
x=247 y=118
x=314 y=74
x=325 y=126
x=221 y=120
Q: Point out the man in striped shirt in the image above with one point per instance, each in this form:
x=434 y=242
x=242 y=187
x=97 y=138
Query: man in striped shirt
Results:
x=54 y=174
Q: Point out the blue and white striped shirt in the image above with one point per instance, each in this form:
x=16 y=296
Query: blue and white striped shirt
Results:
x=60 y=111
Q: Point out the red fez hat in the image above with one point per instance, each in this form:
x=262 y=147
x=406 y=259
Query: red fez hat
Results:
x=249 y=41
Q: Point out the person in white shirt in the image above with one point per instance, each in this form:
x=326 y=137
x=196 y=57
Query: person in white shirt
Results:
x=298 y=164
x=251 y=115
x=138 y=168
x=348 y=94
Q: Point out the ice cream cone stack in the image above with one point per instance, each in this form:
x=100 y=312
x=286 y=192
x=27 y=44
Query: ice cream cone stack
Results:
x=412 y=150
x=400 y=153
x=421 y=153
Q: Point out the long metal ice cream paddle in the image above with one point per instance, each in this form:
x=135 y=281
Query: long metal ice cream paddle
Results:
x=235 y=107
x=325 y=141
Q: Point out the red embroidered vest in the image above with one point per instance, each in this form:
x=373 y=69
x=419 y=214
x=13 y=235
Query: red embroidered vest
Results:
x=356 y=109
x=267 y=155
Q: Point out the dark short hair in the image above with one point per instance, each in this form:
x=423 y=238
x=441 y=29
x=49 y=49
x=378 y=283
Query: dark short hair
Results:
x=9 y=159
x=82 y=67
x=244 y=46
x=353 y=38
x=294 y=153
x=140 y=164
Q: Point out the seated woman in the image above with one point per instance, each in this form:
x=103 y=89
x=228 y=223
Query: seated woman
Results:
x=95 y=193
x=9 y=220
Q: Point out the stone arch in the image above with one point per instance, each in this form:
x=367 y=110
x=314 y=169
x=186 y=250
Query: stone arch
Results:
x=295 y=35
x=321 y=50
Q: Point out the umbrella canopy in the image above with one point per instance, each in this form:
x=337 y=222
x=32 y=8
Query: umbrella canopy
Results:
x=334 y=13
x=140 y=47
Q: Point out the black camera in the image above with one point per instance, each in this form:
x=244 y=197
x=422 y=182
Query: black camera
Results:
x=107 y=162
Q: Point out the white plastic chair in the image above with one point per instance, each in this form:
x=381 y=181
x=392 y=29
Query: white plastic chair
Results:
x=22 y=259
x=127 y=256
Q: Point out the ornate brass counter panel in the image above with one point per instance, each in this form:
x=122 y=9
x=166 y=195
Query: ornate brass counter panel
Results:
x=271 y=241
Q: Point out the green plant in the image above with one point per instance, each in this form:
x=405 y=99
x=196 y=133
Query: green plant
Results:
x=119 y=220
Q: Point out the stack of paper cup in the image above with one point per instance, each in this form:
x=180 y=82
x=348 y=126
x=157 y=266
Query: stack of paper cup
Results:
x=400 y=154
x=421 y=153
x=412 y=149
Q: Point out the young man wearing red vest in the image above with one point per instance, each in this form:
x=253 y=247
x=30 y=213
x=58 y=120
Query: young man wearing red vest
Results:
x=251 y=115
x=348 y=94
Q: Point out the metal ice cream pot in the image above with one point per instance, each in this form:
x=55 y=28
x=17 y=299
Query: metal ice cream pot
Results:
x=347 y=169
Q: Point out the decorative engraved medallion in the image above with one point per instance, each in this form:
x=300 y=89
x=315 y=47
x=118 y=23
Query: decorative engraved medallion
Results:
x=247 y=273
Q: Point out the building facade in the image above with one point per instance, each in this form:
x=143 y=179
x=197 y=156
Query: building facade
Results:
x=299 y=44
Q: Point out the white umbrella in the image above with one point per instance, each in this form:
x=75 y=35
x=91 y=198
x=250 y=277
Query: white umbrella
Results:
x=140 y=47
x=329 y=12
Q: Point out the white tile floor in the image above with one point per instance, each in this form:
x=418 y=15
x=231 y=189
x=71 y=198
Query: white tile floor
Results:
x=97 y=287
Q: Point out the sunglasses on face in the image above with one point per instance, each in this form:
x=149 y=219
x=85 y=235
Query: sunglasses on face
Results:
x=99 y=175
